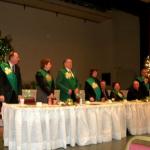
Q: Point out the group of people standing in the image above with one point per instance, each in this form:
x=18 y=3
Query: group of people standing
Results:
x=11 y=83
x=66 y=82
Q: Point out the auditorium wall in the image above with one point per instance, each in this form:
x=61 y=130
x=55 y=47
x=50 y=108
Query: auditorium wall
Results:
x=111 y=46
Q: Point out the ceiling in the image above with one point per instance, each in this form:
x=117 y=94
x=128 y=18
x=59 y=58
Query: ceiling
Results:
x=135 y=7
x=89 y=10
x=65 y=8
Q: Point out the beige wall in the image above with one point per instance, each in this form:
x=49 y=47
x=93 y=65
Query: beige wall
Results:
x=126 y=41
x=38 y=34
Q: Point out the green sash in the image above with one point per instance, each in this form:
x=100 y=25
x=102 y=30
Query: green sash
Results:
x=118 y=93
x=71 y=78
x=95 y=87
x=46 y=76
x=141 y=79
x=10 y=76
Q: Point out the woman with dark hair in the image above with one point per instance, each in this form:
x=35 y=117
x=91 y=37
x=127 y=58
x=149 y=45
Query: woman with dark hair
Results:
x=92 y=87
x=116 y=92
x=45 y=82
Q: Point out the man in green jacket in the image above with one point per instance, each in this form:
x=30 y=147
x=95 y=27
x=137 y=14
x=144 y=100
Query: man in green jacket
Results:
x=67 y=82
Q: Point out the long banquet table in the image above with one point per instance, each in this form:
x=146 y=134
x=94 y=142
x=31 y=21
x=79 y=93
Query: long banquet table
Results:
x=138 y=117
x=50 y=127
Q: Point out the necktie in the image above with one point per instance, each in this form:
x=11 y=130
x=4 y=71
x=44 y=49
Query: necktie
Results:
x=71 y=73
x=13 y=68
x=104 y=94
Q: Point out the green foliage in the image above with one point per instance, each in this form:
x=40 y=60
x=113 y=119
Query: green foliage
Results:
x=5 y=47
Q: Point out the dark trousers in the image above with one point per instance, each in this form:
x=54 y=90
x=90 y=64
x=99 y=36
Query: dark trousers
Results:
x=13 y=98
x=73 y=96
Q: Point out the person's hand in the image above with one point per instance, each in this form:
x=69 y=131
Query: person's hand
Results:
x=2 y=98
x=76 y=91
x=55 y=101
x=51 y=95
x=91 y=99
x=50 y=102
x=50 y=98
x=69 y=91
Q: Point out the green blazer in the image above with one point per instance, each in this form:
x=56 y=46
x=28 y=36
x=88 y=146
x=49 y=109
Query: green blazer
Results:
x=66 y=81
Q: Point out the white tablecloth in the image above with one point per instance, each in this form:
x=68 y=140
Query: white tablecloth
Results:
x=138 y=117
x=45 y=128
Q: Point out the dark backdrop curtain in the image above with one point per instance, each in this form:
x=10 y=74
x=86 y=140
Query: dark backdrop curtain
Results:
x=144 y=36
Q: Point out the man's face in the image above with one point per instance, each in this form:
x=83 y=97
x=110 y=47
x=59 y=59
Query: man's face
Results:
x=136 y=85
x=103 y=85
x=15 y=59
x=117 y=87
x=94 y=74
x=68 y=64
